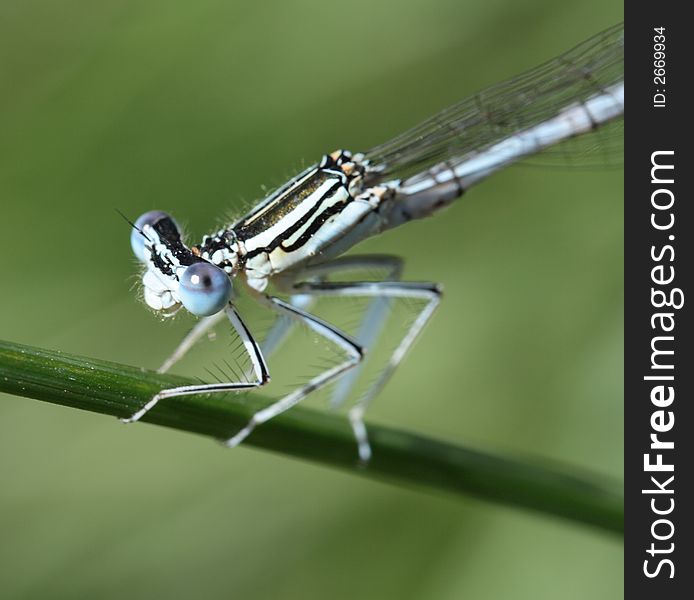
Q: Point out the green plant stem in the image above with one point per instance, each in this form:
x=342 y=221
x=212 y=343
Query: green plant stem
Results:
x=399 y=457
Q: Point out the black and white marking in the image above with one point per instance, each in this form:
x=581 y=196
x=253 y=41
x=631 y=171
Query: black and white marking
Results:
x=295 y=236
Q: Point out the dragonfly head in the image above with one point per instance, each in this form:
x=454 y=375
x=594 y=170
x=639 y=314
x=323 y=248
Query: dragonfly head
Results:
x=176 y=275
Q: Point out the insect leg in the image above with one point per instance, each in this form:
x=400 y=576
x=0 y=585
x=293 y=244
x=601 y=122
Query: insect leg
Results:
x=353 y=350
x=391 y=266
x=388 y=268
x=191 y=338
x=428 y=292
x=283 y=325
x=257 y=360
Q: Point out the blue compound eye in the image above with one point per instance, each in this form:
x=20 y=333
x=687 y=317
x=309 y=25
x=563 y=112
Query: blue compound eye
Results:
x=204 y=289
x=137 y=239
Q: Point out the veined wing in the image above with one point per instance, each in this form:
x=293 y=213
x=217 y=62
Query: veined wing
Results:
x=590 y=75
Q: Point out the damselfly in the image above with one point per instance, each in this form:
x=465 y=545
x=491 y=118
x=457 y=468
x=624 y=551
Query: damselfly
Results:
x=294 y=237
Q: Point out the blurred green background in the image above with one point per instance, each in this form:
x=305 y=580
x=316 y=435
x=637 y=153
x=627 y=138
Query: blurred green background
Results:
x=192 y=108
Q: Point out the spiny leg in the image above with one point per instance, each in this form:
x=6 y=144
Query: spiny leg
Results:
x=369 y=331
x=375 y=315
x=281 y=328
x=259 y=368
x=429 y=292
x=191 y=338
x=329 y=332
x=392 y=267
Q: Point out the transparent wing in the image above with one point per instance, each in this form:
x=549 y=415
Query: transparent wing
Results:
x=498 y=112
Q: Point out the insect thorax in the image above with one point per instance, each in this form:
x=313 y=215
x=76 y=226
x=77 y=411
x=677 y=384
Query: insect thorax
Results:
x=291 y=225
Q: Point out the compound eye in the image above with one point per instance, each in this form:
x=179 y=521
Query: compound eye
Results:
x=137 y=235
x=204 y=289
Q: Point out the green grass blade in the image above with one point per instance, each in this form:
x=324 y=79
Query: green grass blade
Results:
x=399 y=457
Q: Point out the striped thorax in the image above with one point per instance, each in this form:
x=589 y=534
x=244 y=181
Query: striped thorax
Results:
x=294 y=224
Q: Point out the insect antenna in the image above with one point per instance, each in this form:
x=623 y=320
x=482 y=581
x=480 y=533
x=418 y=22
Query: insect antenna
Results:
x=135 y=227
